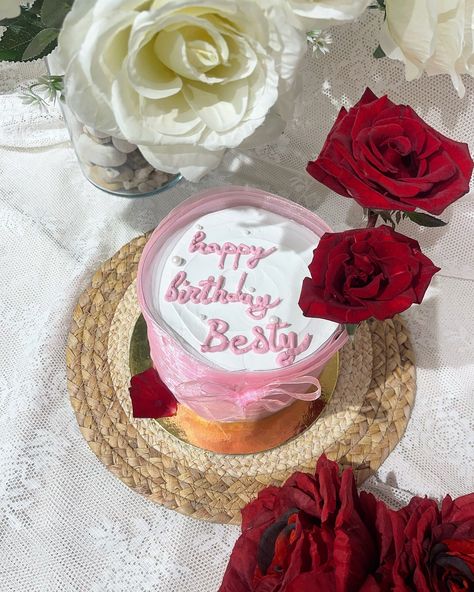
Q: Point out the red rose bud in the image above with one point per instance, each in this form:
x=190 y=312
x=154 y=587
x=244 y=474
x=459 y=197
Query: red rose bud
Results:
x=358 y=274
x=151 y=398
x=386 y=157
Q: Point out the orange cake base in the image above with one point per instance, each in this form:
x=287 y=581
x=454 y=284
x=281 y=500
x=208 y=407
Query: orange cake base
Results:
x=248 y=437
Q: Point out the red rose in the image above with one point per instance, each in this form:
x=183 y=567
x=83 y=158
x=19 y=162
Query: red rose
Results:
x=435 y=548
x=358 y=274
x=386 y=157
x=313 y=533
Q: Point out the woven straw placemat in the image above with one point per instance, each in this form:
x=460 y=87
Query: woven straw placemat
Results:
x=360 y=426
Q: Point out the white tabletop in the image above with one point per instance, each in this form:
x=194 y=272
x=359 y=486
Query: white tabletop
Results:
x=66 y=523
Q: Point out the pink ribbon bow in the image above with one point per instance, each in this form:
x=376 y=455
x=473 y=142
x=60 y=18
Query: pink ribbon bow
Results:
x=220 y=402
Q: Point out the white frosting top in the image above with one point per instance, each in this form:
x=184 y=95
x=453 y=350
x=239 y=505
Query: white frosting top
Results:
x=228 y=285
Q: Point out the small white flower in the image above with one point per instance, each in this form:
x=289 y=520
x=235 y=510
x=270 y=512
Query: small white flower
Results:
x=436 y=37
x=319 y=41
x=182 y=80
x=9 y=8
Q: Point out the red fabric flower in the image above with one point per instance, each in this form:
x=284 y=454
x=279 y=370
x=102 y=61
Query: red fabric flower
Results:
x=151 y=398
x=386 y=157
x=435 y=548
x=358 y=274
x=313 y=533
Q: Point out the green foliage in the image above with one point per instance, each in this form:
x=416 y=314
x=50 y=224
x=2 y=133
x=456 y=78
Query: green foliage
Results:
x=40 y=44
x=394 y=217
x=378 y=5
x=54 y=12
x=46 y=90
x=379 y=53
x=34 y=33
x=423 y=219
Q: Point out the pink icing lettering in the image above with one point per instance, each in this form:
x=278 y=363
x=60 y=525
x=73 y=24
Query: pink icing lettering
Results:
x=236 y=342
x=262 y=305
x=235 y=296
x=211 y=290
x=260 y=345
x=229 y=249
x=273 y=328
x=206 y=286
x=172 y=291
x=217 y=328
x=286 y=345
x=288 y=357
x=257 y=253
x=196 y=242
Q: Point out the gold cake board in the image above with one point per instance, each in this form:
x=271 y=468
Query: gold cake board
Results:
x=360 y=425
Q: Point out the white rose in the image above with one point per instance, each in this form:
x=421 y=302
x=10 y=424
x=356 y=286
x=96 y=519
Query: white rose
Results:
x=432 y=36
x=183 y=80
x=323 y=13
x=9 y=8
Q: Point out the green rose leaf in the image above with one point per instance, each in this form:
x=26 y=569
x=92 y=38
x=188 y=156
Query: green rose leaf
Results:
x=26 y=36
x=425 y=219
x=40 y=42
x=379 y=53
x=54 y=12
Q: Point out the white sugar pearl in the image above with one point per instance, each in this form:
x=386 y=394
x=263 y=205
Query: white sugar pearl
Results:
x=202 y=317
x=178 y=261
x=198 y=226
x=274 y=319
x=251 y=290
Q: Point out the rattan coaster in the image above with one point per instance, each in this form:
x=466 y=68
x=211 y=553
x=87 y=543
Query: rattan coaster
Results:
x=360 y=425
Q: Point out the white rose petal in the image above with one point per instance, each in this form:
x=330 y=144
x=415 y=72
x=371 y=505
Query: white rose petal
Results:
x=324 y=13
x=432 y=36
x=192 y=161
x=183 y=80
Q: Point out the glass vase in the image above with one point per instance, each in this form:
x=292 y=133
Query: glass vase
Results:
x=113 y=164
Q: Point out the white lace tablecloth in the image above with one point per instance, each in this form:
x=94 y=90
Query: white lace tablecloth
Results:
x=66 y=523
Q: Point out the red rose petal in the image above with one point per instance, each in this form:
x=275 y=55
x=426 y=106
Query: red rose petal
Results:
x=461 y=509
x=317 y=172
x=151 y=398
x=368 y=97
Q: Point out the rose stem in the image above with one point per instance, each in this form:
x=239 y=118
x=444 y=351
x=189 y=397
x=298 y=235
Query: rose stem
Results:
x=372 y=219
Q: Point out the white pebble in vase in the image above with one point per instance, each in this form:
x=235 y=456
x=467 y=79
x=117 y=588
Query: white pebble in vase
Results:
x=142 y=174
x=157 y=179
x=145 y=187
x=123 y=173
x=100 y=154
x=123 y=145
x=93 y=132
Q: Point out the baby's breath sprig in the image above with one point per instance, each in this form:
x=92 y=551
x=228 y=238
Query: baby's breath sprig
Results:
x=319 y=41
x=45 y=91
